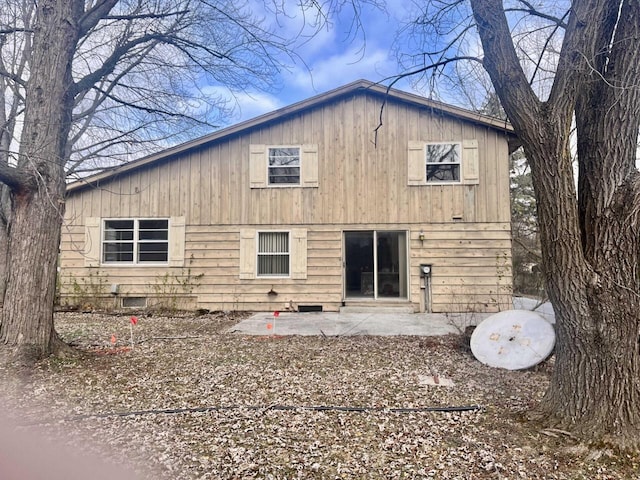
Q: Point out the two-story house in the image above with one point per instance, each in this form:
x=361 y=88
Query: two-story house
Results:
x=358 y=196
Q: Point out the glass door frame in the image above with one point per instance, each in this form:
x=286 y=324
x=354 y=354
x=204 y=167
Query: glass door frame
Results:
x=403 y=263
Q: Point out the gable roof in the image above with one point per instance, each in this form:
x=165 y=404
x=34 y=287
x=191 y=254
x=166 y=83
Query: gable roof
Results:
x=351 y=88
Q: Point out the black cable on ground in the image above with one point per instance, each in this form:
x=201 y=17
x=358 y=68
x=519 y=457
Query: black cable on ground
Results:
x=316 y=408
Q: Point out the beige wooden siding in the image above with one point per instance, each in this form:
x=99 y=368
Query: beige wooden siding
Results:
x=361 y=176
x=471 y=266
x=471 y=269
x=362 y=181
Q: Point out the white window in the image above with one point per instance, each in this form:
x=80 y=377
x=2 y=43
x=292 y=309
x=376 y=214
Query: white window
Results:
x=135 y=241
x=275 y=166
x=284 y=166
x=443 y=162
x=273 y=254
x=437 y=163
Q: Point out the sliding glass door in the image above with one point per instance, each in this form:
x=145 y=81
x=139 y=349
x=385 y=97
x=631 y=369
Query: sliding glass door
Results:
x=375 y=264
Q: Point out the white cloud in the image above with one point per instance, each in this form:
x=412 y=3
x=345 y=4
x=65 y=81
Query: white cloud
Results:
x=341 y=68
x=252 y=104
x=244 y=105
x=331 y=57
x=305 y=27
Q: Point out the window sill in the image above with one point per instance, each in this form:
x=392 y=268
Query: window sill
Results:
x=266 y=187
x=129 y=265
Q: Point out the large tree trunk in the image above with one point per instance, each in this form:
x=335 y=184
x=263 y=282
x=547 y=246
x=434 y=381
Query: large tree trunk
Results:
x=590 y=239
x=8 y=114
x=34 y=236
x=38 y=184
x=594 y=389
x=5 y=215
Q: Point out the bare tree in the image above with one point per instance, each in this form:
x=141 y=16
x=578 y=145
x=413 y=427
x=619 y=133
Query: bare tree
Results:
x=586 y=71
x=102 y=80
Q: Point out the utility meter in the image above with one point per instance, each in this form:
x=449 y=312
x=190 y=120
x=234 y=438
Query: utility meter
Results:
x=425 y=270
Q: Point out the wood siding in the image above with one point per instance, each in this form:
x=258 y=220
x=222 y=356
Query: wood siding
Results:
x=362 y=184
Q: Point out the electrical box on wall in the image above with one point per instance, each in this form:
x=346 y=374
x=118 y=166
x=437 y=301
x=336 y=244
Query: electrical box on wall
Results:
x=425 y=270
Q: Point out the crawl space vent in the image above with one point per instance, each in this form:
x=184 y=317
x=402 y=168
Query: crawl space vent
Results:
x=134 y=302
x=309 y=308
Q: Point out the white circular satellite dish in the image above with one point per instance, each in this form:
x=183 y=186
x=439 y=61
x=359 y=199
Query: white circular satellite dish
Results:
x=513 y=339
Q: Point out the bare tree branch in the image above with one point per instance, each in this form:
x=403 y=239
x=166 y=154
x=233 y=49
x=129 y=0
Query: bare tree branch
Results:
x=536 y=12
x=13 y=177
x=503 y=65
x=94 y=15
x=396 y=78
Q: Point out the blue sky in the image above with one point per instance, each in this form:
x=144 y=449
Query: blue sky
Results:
x=333 y=57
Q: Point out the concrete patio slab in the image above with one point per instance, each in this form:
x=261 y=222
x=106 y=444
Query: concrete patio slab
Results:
x=544 y=309
x=333 y=324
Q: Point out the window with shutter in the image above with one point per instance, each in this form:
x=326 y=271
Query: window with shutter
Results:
x=273 y=254
x=443 y=162
x=273 y=166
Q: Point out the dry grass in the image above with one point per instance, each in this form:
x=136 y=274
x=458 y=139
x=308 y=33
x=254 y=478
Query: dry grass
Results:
x=187 y=362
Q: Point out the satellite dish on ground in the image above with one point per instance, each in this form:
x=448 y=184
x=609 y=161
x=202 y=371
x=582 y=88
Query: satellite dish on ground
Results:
x=513 y=339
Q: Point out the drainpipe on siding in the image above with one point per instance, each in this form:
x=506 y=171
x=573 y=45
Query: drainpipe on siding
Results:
x=427 y=294
x=425 y=286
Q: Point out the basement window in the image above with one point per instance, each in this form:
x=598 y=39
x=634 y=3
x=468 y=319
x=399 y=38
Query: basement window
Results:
x=135 y=241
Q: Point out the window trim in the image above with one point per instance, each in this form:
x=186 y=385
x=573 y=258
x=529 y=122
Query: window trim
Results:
x=258 y=253
x=459 y=163
x=284 y=185
x=136 y=241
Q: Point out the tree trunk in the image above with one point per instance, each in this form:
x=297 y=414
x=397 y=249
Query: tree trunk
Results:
x=5 y=211
x=594 y=389
x=34 y=237
x=590 y=240
x=38 y=184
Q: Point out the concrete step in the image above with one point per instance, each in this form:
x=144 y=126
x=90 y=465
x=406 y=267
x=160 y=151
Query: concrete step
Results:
x=377 y=308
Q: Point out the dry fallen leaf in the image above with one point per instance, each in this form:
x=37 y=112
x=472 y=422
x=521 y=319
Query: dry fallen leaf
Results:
x=212 y=404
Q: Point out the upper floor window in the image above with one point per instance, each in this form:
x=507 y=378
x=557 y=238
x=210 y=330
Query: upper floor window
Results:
x=278 y=166
x=135 y=241
x=284 y=166
x=443 y=162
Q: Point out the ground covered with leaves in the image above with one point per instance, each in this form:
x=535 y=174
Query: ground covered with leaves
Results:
x=191 y=400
